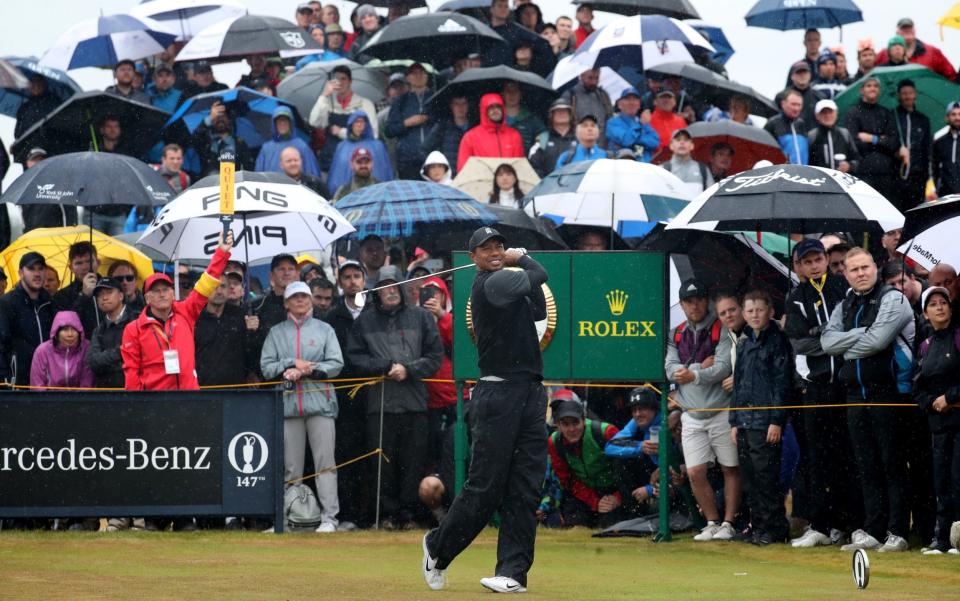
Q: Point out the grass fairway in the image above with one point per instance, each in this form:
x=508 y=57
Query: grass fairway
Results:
x=385 y=567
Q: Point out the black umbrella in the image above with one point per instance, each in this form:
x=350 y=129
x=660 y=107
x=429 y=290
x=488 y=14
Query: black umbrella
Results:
x=519 y=229
x=392 y=3
x=929 y=214
x=250 y=34
x=72 y=127
x=465 y=6
x=714 y=88
x=536 y=92
x=678 y=9
x=436 y=38
x=571 y=234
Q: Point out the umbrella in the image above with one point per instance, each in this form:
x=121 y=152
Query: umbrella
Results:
x=104 y=41
x=71 y=127
x=54 y=243
x=790 y=14
x=11 y=77
x=537 y=93
x=412 y=210
x=304 y=87
x=389 y=3
x=565 y=75
x=435 y=38
x=58 y=83
x=278 y=216
x=232 y=39
x=187 y=17
x=624 y=195
x=713 y=34
x=252 y=112
x=517 y=227
x=794 y=198
x=476 y=177
x=716 y=89
x=464 y=5
x=641 y=42
x=85 y=179
x=723 y=261
x=930 y=232
x=933 y=91
x=678 y=9
x=951 y=18
x=750 y=144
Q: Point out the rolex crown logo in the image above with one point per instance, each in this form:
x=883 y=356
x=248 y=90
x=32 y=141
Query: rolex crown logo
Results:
x=617 y=299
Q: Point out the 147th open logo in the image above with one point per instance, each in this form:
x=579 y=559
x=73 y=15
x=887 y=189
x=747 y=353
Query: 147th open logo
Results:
x=253 y=448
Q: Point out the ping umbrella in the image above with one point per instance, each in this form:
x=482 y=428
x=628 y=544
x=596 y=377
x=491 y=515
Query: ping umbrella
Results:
x=276 y=214
x=233 y=39
x=535 y=91
x=792 y=198
x=678 y=9
x=435 y=38
x=187 y=17
x=627 y=196
x=104 y=41
x=930 y=232
x=476 y=177
x=750 y=144
x=58 y=83
x=72 y=126
x=790 y=14
x=304 y=87
x=706 y=85
x=933 y=91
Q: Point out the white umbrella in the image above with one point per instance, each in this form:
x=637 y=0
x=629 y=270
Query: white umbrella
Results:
x=188 y=17
x=625 y=195
x=930 y=232
x=570 y=67
x=233 y=39
x=105 y=41
x=275 y=215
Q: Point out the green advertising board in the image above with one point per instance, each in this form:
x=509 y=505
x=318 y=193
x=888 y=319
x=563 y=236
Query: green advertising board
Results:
x=606 y=317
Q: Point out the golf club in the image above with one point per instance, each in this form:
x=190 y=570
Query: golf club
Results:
x=360 y=299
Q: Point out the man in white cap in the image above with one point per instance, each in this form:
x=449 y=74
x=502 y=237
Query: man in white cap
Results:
x=830 y=145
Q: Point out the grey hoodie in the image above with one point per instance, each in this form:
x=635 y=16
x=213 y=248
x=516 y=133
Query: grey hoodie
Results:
x=706 y=391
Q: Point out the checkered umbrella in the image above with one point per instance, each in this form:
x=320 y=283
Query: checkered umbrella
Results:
x=411 y=209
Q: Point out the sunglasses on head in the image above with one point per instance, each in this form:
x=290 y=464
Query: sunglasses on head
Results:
x=125 y=278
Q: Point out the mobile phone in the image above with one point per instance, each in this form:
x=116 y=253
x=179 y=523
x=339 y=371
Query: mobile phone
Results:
x=426 y=293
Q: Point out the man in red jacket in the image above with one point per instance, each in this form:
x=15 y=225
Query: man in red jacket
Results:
x=158 y=347
x=919 y=52
x=493 y=137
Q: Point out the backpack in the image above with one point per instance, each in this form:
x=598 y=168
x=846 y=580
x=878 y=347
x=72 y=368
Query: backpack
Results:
x=714 y=333
x=300 y=507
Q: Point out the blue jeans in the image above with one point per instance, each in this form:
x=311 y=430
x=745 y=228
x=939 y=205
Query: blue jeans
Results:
x=111 y=225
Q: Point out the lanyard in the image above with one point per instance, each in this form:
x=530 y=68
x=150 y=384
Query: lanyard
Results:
x=167 y=336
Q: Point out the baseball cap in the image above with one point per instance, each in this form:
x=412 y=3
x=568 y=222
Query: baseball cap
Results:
x=32 y=258
x=389 y=273
x=566 y=403
x=666 y=92
x=361 y=153
x=234 y=275
x=896 y=40
x=304 y=8
x=925 y=297
x=825 y=103
x=905 y=22
x=397 y=78
x=333 y=28
x=202 y=66
x=587 y=118
x=642 y=396
x=36 y=151
x=162 y=67
x=631 y=91
x=826 y=56
x=106 y=284
x=277 y=259
x=681 y=132
x=808 y=245
x=559 y=104
x=800 y=66
x=366 y=9
x=626 y=153
x=352 y=264
x=693 y=288
x=953 y=105
x=481 y=235
x=157 y=277
x=295 y=288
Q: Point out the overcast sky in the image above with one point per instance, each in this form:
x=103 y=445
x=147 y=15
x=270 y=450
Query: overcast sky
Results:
x=761 y=59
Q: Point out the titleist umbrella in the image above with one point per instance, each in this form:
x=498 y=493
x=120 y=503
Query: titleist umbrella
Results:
x=930 y=232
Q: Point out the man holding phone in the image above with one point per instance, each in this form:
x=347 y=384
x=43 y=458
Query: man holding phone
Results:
x=336 y=103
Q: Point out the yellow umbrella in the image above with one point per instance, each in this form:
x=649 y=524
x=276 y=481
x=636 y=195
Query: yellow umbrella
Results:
x=54 y=243
x=476 y=177
x=950 y=19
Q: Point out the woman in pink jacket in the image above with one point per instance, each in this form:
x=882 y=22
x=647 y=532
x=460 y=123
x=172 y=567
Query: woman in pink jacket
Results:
x=62 y=360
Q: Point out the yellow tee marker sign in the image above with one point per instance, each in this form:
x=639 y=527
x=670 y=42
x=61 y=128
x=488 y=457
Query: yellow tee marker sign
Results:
x=227 y=176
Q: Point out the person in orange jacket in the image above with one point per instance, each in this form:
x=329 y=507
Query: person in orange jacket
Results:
x=158 y=347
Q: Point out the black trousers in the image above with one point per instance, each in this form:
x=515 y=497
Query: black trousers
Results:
x=507 y=463
x=946 y=472
x=910 y=191
x=918 y=450
x=577 y=513
x=405 y=444
x=760 y=469
x=833 y=499
x=882 y=468
x=352 y=488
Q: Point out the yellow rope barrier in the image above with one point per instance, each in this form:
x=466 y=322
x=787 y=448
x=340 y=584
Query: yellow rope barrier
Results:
x=344 y=464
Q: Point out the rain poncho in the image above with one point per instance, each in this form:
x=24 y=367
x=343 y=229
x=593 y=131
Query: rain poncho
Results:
x=437 y=158
x=340 y=172
x=55 y=365
x=269 y=159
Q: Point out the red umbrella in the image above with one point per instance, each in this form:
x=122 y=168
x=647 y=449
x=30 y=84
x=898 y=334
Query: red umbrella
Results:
x=750 y=144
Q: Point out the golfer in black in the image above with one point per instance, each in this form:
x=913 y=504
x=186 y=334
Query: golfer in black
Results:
x=507 y=409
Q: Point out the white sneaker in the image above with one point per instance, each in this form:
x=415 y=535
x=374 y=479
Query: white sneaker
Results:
x=707 y=533
x=860 y=540
x=326 y=527
x=893 y=544
x=806 y=531
x=724 y=532
x=954 y=551
x=503 y=584
x=436 y=579
x=812 y=538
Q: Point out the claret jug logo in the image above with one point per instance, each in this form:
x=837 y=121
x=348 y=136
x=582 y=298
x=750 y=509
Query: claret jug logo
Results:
x=617 y=299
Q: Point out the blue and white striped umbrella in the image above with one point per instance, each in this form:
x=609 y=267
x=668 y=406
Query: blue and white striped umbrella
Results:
x=105 y=41
x=641 y=42
x=188 y=17
x=628 y=196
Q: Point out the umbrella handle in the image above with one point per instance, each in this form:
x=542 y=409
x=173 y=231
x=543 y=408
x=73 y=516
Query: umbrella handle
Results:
x=93 y=137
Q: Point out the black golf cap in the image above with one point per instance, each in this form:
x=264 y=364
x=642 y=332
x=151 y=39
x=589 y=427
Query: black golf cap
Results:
x=32 y=258
x=566 y=403
x=480 y=237
x=641 y=396
x=106 y=284
x=588 y=118
x=234 y=275
x=808 y=245
x=276 y=260
x=693 y=288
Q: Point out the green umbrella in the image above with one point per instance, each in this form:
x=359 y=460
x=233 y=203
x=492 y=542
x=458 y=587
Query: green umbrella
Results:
x=933 y=91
